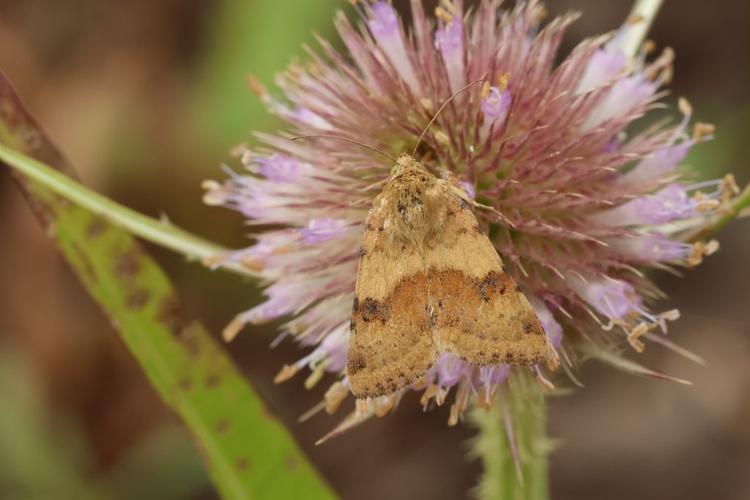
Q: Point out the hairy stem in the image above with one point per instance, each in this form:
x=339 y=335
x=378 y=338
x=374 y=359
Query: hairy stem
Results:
x=156 y=231
x=512 y=444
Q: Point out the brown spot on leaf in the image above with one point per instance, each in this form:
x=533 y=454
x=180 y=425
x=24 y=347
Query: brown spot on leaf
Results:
x=185 y=384
x=213 y=380
x=191 y=341
x=169 y=314
x=137 y=300
x=222 y=426
x=95 y=228
x=242 y=463
x=128 y=264
x=291 y=463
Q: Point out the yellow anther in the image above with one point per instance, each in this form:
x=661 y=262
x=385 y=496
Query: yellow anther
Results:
x=334 y=396
x=648 y=47
x=286 y=372
x=317 y=374
x=233 y=328
x=449 y=6
x=443 y=15
x=702 y=130
x=459 y=407
x=252 y=264
x=634 y=337
x=729 y=188
x=295 y=328
x=708 y=205
x=700 y=250
x=539 y=13
x=502 y=81
x=284 y=249
x=485 y=90
x=431 y=391
x=385 y=404
x=684 y=106
x=215 y=193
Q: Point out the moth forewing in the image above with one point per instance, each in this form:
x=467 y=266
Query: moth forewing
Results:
x=429 y=281
x=391 y=345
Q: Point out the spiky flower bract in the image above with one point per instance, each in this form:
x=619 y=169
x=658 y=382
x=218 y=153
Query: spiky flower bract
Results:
x=580 y=201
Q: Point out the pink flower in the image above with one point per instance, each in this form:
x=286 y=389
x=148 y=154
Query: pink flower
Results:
x=545 y=143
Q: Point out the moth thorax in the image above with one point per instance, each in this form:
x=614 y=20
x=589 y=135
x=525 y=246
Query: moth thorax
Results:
x=419 y=210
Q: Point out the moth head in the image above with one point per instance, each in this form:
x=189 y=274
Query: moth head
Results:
x=405 y=163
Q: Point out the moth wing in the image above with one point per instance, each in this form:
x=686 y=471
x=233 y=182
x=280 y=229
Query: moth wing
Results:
x=390 y=344
x=480 y=313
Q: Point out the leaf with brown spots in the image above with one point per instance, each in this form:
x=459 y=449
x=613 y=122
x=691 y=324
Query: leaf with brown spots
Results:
x=187 y=366
x=430 y=281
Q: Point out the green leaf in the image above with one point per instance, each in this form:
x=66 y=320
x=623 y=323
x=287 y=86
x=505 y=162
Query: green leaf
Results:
x=258 y=38
x=247 y=452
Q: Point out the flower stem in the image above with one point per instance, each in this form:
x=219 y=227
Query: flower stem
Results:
x=156 y=231
x=639 y=22
x=736 y=209
x=512 y=443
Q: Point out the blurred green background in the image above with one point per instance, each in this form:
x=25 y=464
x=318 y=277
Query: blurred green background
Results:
x=147 y=98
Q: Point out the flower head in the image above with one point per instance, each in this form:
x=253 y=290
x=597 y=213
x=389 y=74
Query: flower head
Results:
x=578 y=204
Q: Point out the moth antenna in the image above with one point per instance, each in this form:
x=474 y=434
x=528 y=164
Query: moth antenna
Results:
x=345 y=139
x=437 y=113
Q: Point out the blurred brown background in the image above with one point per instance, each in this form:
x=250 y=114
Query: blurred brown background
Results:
x=146 y=99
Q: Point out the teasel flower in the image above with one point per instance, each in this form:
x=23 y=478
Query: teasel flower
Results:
x=581 y=201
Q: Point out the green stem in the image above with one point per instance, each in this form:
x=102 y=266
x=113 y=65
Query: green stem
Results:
x=738 y=205
x=150 y=229
x=511 y=442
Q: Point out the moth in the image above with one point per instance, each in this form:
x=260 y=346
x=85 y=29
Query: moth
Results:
x=431 y=282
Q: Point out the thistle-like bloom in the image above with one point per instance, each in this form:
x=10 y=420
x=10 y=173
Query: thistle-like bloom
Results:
x=579 y=202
